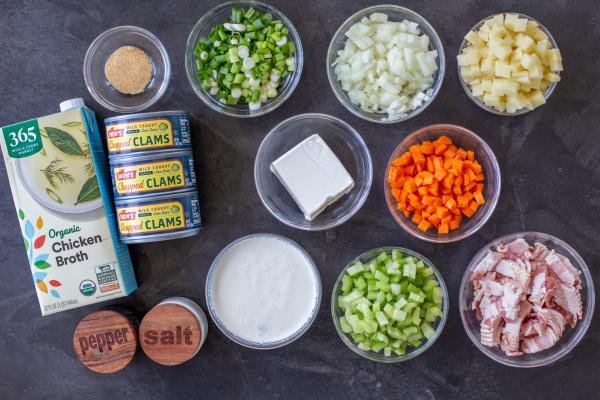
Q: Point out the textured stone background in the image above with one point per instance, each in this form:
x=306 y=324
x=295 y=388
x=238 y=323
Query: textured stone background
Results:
x=551 y=182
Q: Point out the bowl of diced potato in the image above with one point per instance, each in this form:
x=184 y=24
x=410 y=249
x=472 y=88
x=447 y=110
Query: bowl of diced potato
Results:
x=509 y=64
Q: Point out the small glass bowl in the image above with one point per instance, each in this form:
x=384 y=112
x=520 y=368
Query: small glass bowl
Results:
x=219 y=15
x=345 y=143
x=571 y=336
x=99 y=52
x=461 y=137
x=395 y=13
x=336 y=312
x=478 y=101
x=247 y=343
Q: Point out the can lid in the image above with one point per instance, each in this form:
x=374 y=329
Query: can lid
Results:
x=171 y=334
x=71 y=103
x=105 y=341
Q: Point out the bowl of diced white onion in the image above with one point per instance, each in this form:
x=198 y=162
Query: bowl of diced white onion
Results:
x=386 y=64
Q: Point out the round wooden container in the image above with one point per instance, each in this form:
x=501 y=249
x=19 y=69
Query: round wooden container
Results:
x=173 y=331
x=105 y=341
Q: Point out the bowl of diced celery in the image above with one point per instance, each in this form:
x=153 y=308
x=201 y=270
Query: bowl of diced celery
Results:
x=244 y=58
x=389 y=304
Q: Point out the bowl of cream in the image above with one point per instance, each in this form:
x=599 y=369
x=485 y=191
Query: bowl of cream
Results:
x=263 y=291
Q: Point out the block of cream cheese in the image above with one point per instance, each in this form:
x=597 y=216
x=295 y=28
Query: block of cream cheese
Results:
x=313 y=175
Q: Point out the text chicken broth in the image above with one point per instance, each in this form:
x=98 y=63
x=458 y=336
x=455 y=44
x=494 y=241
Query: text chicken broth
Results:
x=263 y=289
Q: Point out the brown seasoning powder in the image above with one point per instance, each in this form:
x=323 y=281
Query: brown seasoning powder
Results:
x=128 y=70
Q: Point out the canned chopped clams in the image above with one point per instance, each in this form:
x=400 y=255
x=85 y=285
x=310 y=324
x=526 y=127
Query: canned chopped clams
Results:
x=152 y=174
x=135 y=133
x=155 y=218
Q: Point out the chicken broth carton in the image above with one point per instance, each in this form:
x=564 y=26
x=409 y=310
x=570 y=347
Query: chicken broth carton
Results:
x=57 y=172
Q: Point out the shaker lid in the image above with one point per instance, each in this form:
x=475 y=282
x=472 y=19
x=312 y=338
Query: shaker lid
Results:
x=105 y=341
x=71 y=103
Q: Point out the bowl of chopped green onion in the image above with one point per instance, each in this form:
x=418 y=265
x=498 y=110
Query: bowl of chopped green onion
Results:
x=244 y=58
x=389 y=304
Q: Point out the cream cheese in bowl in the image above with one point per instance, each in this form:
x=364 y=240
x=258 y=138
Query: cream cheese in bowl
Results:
x=263 y=291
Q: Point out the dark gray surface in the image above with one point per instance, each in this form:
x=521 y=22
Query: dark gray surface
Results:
x=551 y=182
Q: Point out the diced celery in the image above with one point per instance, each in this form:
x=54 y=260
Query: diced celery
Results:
x=394 y=332
x=381 y=277
x=381 y=318
x=437 y=295
x=411 y=330
x=346 y=284
x=427 y=272
x=427 y=330
x=377 y=346
x=396 y=254
x=360 y=282
x=353 y=295
x=382 y=257
x=376 y=307
x=383 y=286
x=395 y=288
x=409 y=307
x=387 y=351
x=400 y=303
x=416 y=298
x=382 y=337
x=351 y=318
x=365 y=310
x=358 y=326
x=388 y=309
x=398 y=315
x=364 y=346
x=416 y=316
x=409 y=271
x=371 y=326
x=346 y=328
x=355 y=268
x=358 y=337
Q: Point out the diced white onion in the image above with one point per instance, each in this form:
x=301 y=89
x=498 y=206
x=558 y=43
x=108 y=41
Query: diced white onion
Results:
x=386 y=67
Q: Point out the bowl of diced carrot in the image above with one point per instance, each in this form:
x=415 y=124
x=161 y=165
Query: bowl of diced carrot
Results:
x=442 y=183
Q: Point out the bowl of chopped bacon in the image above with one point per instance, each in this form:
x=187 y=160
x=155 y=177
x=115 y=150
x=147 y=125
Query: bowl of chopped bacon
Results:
x=526 y=299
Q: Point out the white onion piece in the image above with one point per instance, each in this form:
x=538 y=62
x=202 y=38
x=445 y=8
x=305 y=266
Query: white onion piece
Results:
x=386 y=67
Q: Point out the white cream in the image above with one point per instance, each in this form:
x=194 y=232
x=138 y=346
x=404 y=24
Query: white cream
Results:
x=313 y=175
x=264 y=289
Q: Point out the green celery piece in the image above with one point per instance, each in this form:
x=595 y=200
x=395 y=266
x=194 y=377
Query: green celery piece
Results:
x=346 y=284
x=381 y=276
x=409 y=271
x=416 y=316
x=355 y=268
x=365 y=310
x=437 y=295
x=395 y=288
x=376 y=346
x=415 y=343
x=360 y=282
x=400 y=303
x=353 y=295
x=376 y=307
x=351 y=318
x=411 y=330
x=398 y=315
x=429 y=285
x=409 y=307
x=384 y=287
x=416 y=298
x=387 y=351
x=388 y=309
x=364 y=346
x=382 y=257
x=427 y=272
x=396 y=254
x=401 y=350
x=373 y=266
x=358 y=327
x=427 y=330
x=380 y=297
x=358 y=337
x=371 y=326
x=346 y=327
x=389 y=296
x=381 y=318
x=372 y=295
x=382 y=337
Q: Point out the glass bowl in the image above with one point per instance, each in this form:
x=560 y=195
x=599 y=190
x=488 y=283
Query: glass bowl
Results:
x=218 y=15
x=479 y=102
x=99 y=51
x=461 y=137
x=395 y=13
x=345 y=143
x=570 y=337
x=244 y=342
x=411 y=352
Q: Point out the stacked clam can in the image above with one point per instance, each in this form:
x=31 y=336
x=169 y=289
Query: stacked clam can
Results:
x=152 y=171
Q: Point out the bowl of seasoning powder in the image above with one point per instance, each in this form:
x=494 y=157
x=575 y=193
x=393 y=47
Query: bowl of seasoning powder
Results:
x=126 y=69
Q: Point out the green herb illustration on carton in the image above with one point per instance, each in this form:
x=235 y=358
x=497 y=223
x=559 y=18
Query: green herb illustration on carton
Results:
x=63 y=171
x=34 y=242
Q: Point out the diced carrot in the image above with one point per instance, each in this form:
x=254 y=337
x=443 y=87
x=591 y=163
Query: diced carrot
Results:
x=423 y=225
x=479 y=198
x=443 y=228
x=435 y=183
x=427 y=147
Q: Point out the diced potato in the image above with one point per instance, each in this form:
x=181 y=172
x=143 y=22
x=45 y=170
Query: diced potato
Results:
x=551 y=77
x=509 y=63
x=474 y=39
x=502 y=69
x=502 y=87
x=536 y=98
x=524 y=42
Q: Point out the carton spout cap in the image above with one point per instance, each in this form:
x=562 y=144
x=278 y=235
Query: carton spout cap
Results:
x=71 y=103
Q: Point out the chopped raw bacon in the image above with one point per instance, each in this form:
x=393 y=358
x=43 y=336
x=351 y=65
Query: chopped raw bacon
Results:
x=525 y=296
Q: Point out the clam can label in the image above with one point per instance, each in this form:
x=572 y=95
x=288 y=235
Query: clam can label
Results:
x=158 y=217
x=135 y=176
x=147 y=131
